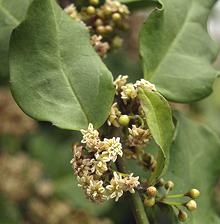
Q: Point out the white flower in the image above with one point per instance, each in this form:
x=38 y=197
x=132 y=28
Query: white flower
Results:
x=145 y=84
x=120 y=81
x=90 y=137
x=130 y=183
x=128 y=92
x=114 y=116
x=96 y=191
x=109 y=149
x=138 y=136
x=98 y=167
x=115 y=188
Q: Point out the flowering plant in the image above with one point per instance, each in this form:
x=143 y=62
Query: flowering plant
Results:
x=135 y=141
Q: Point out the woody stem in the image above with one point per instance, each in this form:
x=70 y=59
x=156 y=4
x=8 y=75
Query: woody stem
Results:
x=136 y=202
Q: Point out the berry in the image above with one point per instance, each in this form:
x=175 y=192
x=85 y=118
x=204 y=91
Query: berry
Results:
x=94 y=2
x=116 y=16
x=124 y=120
x=90 y=10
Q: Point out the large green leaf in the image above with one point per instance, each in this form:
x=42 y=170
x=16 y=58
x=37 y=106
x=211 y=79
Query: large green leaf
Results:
x=12 y=12
x=135 y=4
x=159 y=119
x=177 y=51
x=56 y=75
x=194 y=162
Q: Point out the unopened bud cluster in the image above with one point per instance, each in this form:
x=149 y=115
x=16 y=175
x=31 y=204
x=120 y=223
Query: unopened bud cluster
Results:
x=91 y=164
x=105 y=21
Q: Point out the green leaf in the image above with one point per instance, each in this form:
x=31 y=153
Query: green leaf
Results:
x=135 y=4
x=56 y=75
x=194 y=163
x=159 y=119
x=12 y=12
x=177 y=51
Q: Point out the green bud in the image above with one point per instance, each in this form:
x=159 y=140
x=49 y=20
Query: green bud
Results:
x=98 y=22
x=152 y=191
x=107 y=10
x=108 y=28
x=161 y=182
x=94 y=2
x=90 y=10
x=169 y=185
x=124 y=120
x=116 y=17
x=182 y=216
x=191 y=205
x=117 y=42
x=149 y=202
x=193 y=193
x=101 y=29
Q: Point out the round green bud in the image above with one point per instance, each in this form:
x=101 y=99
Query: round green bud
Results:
x=98 y=22
x=182 y=216
x=191 y=205
x=90 y=10
x=124 y=120
x=149 y=202
x=193 y=193
x=117 y=42
x=101 y=29
x=108 y=28
x=116 y=17
x=169 y=185
x=152 y=191
x=94 y=2
x=107 y=10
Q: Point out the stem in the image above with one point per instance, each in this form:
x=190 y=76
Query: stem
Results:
x=137 y=205
x=175 y=196
x=171 y=203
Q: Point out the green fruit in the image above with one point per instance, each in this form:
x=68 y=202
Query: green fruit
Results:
x=149 y=202
x=90 y=10
x=124 y=120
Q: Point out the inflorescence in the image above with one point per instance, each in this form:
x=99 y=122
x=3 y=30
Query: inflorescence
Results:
x=95 y=160
x=104 y=20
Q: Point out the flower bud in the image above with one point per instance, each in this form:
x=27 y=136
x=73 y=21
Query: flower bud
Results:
x=108 y=28
x=98 y=22
x=149 y=202
x=94 y=2
x=107 y=10
x=191 y=205
x=90 y=10
x=193 y=193
x=124 y=120
x=117 y=42
x=116 y=17
x=169 y=185
x=161 y=182
x=101 y=29
x=152 y=191
x=182 y=216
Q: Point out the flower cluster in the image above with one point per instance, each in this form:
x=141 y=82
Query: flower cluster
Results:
x=91 y=164
x=105 y=21
x=128 y=90
x=138 y=136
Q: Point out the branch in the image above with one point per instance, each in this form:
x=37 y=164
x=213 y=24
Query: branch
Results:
x=137 y=205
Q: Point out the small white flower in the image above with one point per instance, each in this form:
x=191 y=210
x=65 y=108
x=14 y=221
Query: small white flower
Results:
x=120 y=81
x=90 y=137
x=145 y=84
x=96 y=191
x=109 y=149
x=128 y=92
x=114 y=116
